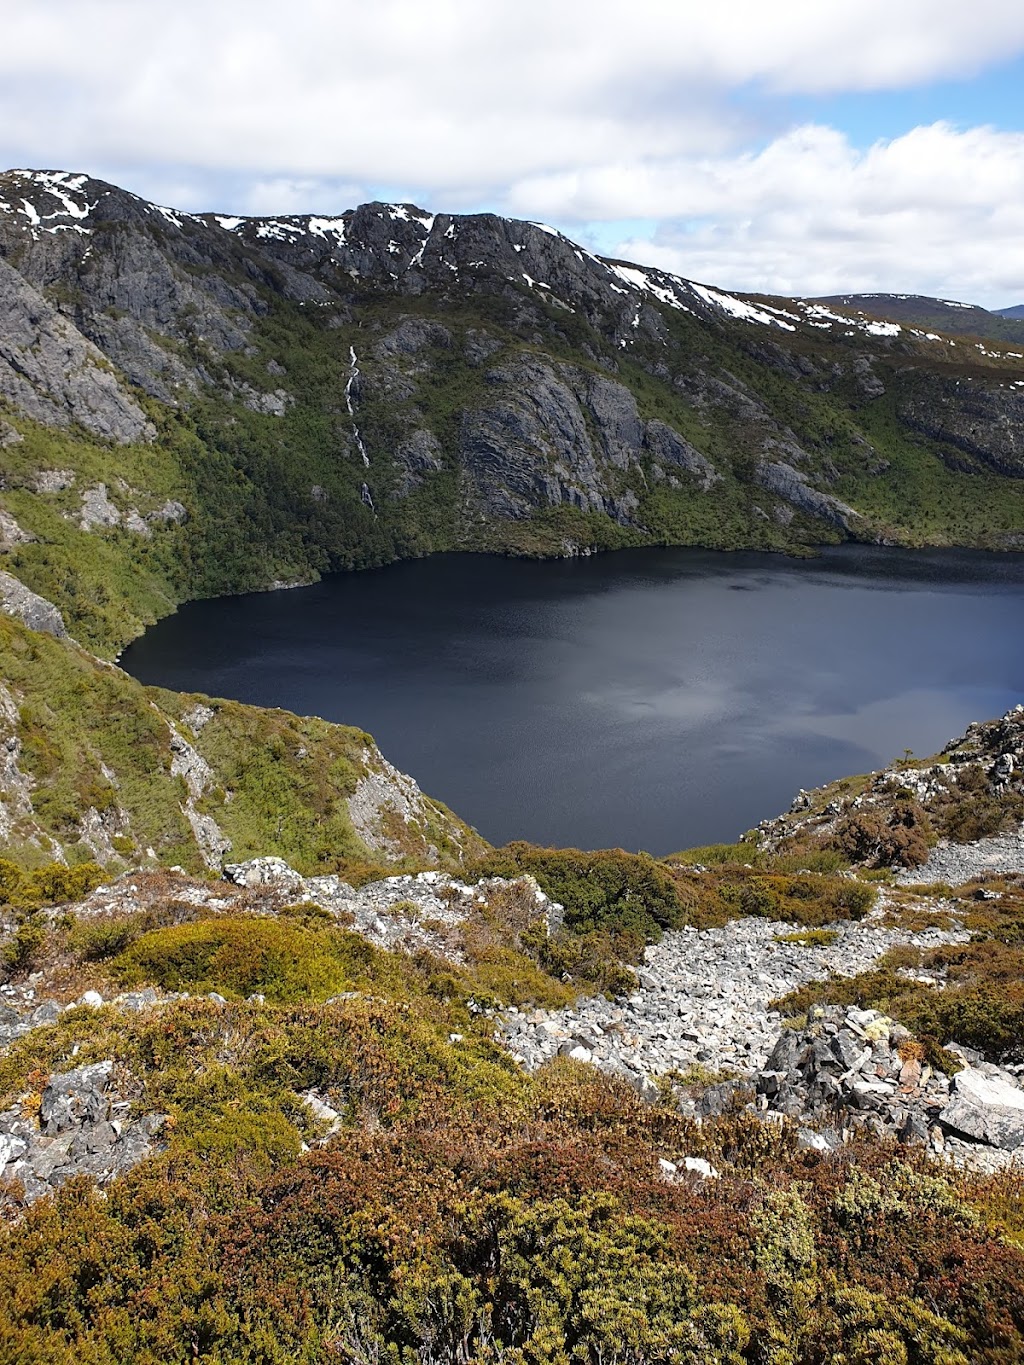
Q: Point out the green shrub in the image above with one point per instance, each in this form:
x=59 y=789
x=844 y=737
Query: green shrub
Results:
x=605 y=890
x=24 y=949
x=809 y=938
x=243 y=957
x=54 y=884
x=98 y=940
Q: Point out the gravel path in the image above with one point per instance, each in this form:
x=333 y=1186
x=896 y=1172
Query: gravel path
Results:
x=956 y=863
x=704 y=997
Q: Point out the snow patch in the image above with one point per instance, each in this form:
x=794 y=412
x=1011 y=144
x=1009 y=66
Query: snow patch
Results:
x=738 y=308
x=327 y=227
x=644 y=281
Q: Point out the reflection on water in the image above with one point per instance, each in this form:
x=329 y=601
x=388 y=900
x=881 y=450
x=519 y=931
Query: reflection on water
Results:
x=655 y=698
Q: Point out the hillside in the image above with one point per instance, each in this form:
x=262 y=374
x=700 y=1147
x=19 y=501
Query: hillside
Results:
x=439 y=1119
x=197 y=404
x=939 y=315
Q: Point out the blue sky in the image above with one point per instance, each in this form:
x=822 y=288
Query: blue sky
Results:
x=993 y=97
x=800 y=147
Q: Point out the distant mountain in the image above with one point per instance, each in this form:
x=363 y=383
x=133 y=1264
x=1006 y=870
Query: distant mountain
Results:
x=938 y=315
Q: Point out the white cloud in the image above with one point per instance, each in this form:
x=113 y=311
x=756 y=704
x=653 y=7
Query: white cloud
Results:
x=570 y=110
x=936 y=211
x=454 y=94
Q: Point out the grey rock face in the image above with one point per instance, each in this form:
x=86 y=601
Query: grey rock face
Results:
x=531 y=446
x=98 y=512
x=11 y=533
x=986 y=1106
x=411 y=336
x=29 y=608
x=171 y=511
x=9 y=436
x=668 y=447
x=793 y=486
x=53 y=480
x=84 y=1127
x=416 y=456
x=53 y=374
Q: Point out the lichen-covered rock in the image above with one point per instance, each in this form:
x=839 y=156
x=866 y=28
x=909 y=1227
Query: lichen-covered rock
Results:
x=84 y=1126
x=98 y=512
x=29 y=608
x=986 y=1106
x=11 y=533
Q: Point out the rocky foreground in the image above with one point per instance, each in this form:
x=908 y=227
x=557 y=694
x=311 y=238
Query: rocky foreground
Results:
x=699 y=1025
x=704 y=997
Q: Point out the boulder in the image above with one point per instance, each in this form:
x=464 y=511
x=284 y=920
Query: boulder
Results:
x=29 y=608
x=986 y=1108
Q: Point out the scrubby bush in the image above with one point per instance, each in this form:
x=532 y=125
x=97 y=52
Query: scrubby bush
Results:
x=22 y=950
x=971 y=810
x=54 y=884
x=883 y=837
x=606 y=890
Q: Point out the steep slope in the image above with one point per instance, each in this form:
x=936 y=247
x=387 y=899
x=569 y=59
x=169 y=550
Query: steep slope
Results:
x=96 y=767
x=197 y=404
x=1017 y=311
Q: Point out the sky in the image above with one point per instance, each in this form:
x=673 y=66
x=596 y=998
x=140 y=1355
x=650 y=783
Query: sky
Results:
x=799 y=147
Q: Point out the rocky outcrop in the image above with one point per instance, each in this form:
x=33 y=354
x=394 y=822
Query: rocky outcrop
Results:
x=388 y=810
x=984 y=420
x=84 y=1126
x=851 y=1070
x=15 y=785
x=51 y=372
x=9 y=436
x=11 y=533
x=986 y=1105
x=988 y=759
x=29 y=608
x=671 y=452
x=793 y=486
x=416 y=457
x=98 y=512
x=197 y=775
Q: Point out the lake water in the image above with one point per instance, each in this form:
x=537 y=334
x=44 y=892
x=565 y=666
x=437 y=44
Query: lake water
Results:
x=649 y=699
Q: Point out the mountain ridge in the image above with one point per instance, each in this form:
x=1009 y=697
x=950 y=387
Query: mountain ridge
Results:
x=321 y=393
x=945 y=315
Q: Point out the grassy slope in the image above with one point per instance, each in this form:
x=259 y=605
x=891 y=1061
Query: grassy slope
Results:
x=91 y=737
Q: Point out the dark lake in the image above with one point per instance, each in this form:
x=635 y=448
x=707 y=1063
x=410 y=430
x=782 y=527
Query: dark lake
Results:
x=646 y=699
